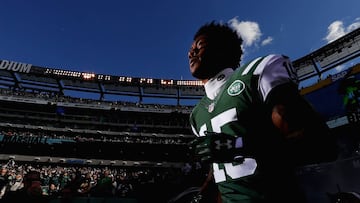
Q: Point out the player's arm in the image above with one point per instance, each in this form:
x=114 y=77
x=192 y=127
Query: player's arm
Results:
x=308 y=138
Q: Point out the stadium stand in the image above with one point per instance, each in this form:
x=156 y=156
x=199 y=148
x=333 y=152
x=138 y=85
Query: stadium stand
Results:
x=80 y=148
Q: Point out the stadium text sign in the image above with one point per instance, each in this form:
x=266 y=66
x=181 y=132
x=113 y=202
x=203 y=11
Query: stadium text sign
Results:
x=24 y=139
x=15 y=66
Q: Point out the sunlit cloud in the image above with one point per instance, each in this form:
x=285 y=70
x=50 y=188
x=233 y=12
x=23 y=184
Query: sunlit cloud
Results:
x=340 y=68
x=267 y=41
x=337 y=29
x=248 y=30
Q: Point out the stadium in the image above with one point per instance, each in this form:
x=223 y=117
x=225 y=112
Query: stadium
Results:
x=81 y=129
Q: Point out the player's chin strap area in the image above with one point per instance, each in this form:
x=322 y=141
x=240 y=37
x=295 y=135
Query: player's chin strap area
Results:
x=218 y=147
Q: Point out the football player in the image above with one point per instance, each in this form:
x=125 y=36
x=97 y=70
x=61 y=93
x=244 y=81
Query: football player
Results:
x=252 y=126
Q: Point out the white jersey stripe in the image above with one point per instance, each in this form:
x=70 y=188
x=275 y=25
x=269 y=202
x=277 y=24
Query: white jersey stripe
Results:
x=247 y=69
x=260 y=68
x=194 y=131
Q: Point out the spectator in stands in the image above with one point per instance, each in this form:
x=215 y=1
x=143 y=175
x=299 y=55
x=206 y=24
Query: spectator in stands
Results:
x=86 y=185
x=124 y=187
x=3 y=181
x=349 y=87
x=252 y=126
x=105 y=185
x=18 y=183
x=53 y=191
x=64 y=179
x=30 y=193
x=71 y=189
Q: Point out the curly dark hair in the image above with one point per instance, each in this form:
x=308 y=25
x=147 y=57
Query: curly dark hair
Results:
x=226 y=40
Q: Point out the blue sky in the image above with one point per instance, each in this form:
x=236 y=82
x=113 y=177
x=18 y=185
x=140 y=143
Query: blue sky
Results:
x=151 y=38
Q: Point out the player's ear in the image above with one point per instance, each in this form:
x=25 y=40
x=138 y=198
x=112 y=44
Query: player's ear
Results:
x=278 y=115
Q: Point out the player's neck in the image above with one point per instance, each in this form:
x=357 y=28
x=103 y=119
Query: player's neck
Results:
x=213 y=85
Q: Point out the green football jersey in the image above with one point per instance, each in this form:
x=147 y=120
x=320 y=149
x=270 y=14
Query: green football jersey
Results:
x=240 y=109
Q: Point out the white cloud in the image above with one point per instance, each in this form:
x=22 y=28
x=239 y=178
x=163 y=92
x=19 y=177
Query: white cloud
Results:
x=334 y=71
x=249 y=31
x=337 y=29
x=340 y=68
x=267 y=41
x=354 y=26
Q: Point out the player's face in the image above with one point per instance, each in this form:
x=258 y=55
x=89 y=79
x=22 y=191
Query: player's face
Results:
x=202 y=58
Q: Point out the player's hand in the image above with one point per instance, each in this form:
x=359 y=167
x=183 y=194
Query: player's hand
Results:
x=218 y=148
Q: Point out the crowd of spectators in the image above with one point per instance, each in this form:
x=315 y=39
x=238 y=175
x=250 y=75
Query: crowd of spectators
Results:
x=54 y=181
x=56 y=97
x=130 y=138
x=47 y=109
